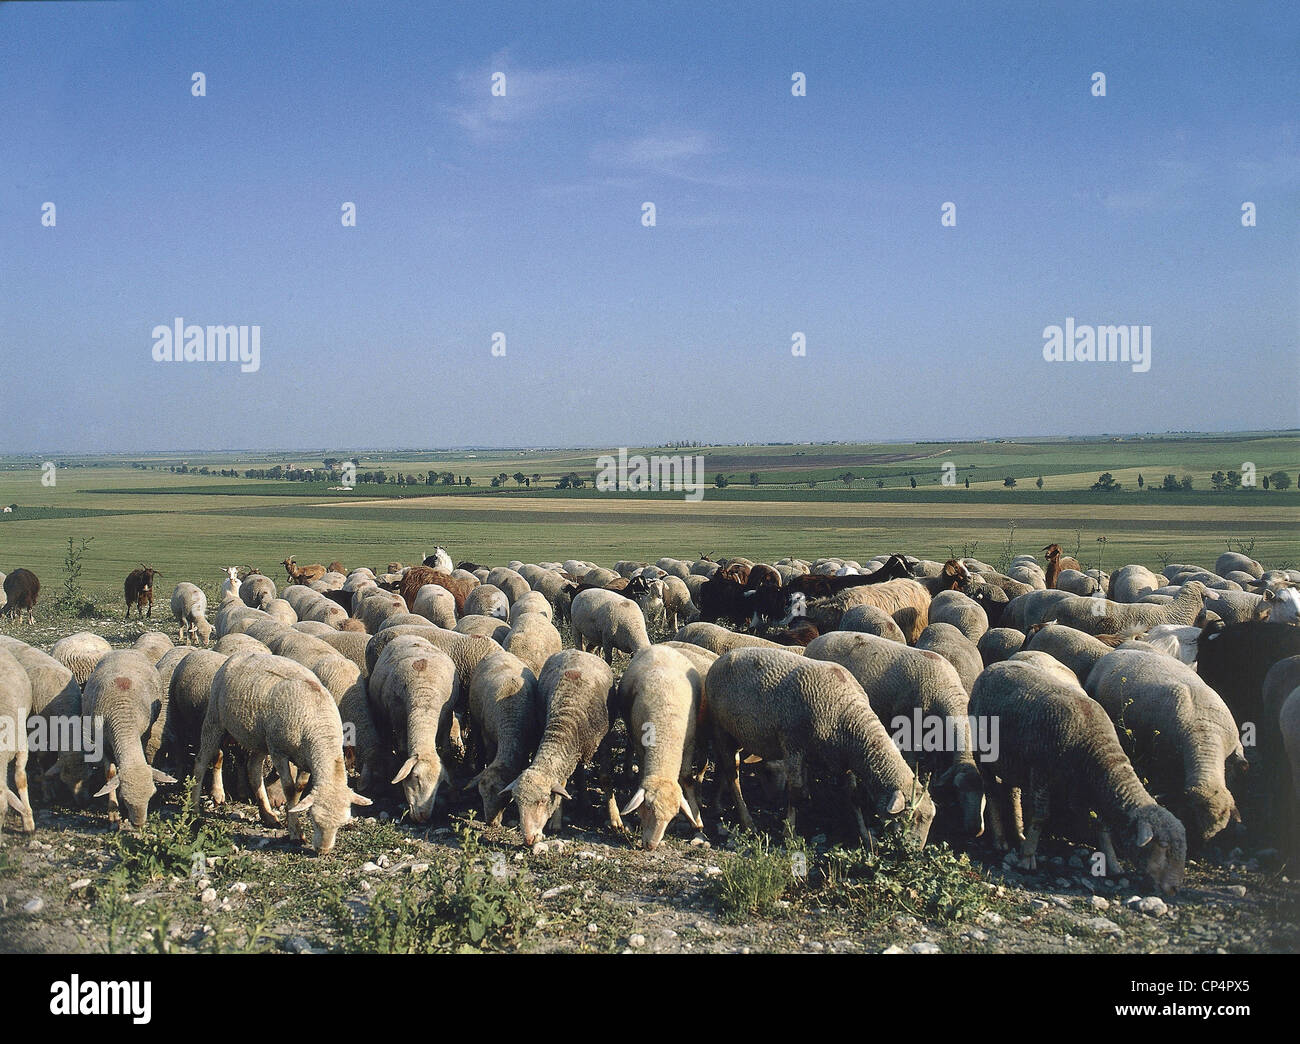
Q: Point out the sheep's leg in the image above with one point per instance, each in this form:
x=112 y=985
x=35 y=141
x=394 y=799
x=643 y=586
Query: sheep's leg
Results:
x=218 y=780
x=607 y=650
x=793 y=785
x=20 y=782
x=1039 y=803
x=113 y=815
x=257 y=784
x=209 y=754
x=606 y=762
x=993 y=810
x=732 y=781
x=294 y=785
x=1108 y=850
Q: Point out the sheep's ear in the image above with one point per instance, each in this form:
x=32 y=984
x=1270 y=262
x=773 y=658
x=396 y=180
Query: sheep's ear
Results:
x=1235 y=815
x=510 y=787
x=1145 y=834
x=405 y=769
x=473 y=782
x=635 y=803
x=159 y=776
x=52 y=772
x=893 y=803
x=11 y=799
x=304 y=804
x=357 y=799
x=753 y=759
x=557 y=789
x=108 y=787
x=689 y=813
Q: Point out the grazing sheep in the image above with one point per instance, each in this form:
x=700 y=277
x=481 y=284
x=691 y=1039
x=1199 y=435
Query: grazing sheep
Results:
x=574 y=687
x=1131 y=582
x=1052 y=734
x=350 y=644
x=488 y=626
x=436 y=604
x=781 y=706
x=907 y=601
x=999 y=643
x=900 y=682
x=153 y=644
x=276 y=707
x=871 y=619
x=506 y=717
x=257 y=590
x=610 y=621
x=81 y=653
x=188 y=692
x=283 y=611
x=719 y=640
x=1077 y=582
x=1235 y=606
x=1074 y=648
x=1231 y=561
x=21 y=588
x=465 y=650
x=15 y=706
x=190 y=608
x=508 y=582
x=954 y=647
x=660 y=694
x=486 y=600
x=374 y=609
x=413 y=689
x=1024 y=611
x=56 y=700
x=1182 y=734
x=124 y=691
x=314 y=628
x=534 y=640
x=533 y=602
x=953 y=607
x=1099 y=615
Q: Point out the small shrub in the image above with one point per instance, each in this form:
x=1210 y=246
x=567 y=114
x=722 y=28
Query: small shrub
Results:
x=756 y=878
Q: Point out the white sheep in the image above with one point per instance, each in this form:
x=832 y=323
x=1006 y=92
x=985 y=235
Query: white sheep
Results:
x=257 y=590
x=660 y=693
x=487 y=600
x=273 y=706
x=534 y=639
x=15 y=706
x=190 y=607
x=608 y=621
x=436 y=604
x=81 y=653
x=506 y=716
x=125 y=692
x=412 y=690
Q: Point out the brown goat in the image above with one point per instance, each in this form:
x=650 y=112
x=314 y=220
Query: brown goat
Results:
x=1055 y=564
x=762 y=575
x=302 y=575
x=737 y=571
x=21 y=589
x=138 y=588
x=337 y=567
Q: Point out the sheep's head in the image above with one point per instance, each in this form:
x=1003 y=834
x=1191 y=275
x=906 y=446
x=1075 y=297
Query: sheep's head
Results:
x=491 y=784
x=1161 y=844
x=537 y=798
x=965 y=778
x=135 y=788
x=1209 y=809
x=420 y=777
x=204 y=629
x=329 y=806
x=658 y=800
x=915 y=813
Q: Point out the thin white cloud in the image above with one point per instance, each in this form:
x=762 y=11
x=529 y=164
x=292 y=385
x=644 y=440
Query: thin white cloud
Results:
x=531 y=94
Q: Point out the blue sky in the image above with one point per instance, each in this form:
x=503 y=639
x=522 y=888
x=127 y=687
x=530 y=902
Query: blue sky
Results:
x=522 y=214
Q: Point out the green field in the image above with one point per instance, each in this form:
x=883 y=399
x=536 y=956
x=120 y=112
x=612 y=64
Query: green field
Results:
x=191 y=525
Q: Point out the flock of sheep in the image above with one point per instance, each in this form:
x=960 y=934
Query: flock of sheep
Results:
x=902 y=690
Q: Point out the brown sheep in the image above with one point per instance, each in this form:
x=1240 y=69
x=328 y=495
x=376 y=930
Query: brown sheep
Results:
x=417 y=576
x=138 y=588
